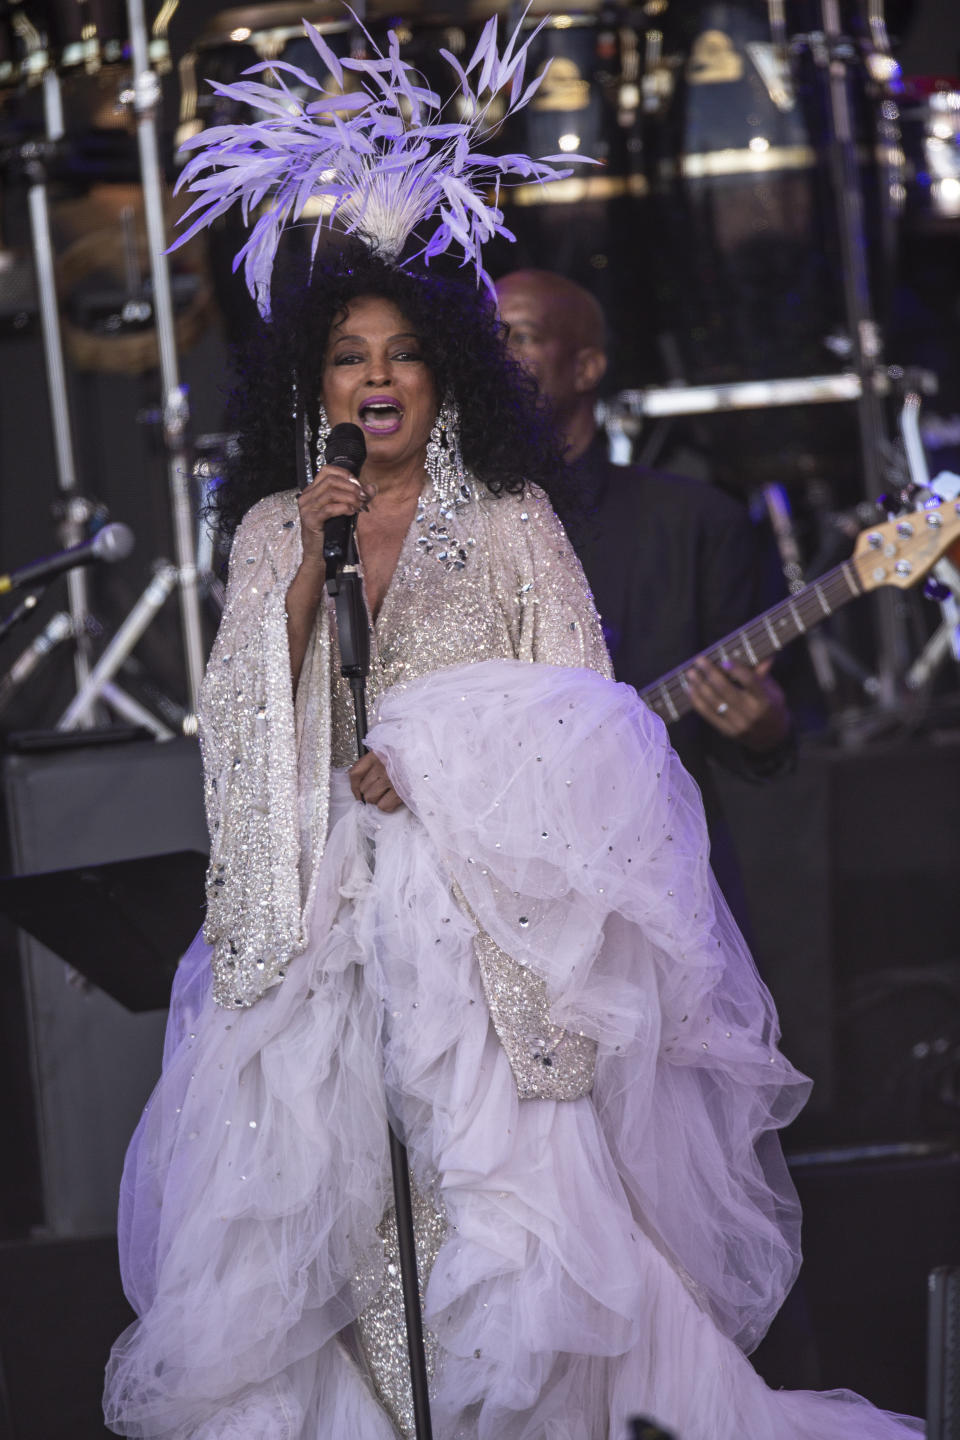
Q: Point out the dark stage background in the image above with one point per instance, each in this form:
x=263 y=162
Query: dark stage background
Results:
x=850 y=864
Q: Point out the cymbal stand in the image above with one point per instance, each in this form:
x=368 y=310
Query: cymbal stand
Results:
x=176 y=413
x=76 y=508
x=35 y=157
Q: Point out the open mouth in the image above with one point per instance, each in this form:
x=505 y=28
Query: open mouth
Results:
x=381 y=415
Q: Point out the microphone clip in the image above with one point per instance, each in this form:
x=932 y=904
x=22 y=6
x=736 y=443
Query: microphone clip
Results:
x=339 y=552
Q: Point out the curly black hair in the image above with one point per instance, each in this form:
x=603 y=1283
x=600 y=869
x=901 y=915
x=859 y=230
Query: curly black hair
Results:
x=507 y=437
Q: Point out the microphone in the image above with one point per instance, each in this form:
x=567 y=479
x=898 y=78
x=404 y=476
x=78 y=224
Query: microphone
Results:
x=113 y=542
x=347 y=448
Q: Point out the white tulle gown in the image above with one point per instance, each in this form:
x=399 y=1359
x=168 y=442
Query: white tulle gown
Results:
x=586 y=1259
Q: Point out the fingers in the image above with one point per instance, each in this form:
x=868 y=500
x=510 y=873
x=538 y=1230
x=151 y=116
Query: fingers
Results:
x=336 y=476
x=371 y=785
x=727 y=697
x=332 y=492
x=743 y=704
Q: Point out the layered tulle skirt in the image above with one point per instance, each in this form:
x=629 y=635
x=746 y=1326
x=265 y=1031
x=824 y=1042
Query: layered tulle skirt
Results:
x=597 y=1257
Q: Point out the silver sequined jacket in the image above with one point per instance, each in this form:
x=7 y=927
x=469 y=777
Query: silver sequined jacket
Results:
x=491 y=578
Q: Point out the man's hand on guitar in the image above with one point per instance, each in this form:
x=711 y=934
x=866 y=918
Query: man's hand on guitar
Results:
x=745 y=705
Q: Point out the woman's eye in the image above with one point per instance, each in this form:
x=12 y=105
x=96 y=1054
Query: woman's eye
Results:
x=347 y=359
x=408 y=355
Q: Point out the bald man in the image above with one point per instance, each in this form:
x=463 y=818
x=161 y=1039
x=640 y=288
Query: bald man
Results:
x=671 y=562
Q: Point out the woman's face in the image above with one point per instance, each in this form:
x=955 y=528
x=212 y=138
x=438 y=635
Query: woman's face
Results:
x=374 y=376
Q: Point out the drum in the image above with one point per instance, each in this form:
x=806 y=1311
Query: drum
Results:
x=83 y=35
x=592 y=227
x=747 y=253
x=234 y=40
x=107 y=319
x=84 y=43
x=238 y=38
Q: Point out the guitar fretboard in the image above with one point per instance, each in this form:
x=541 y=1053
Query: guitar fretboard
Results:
x=762 y=637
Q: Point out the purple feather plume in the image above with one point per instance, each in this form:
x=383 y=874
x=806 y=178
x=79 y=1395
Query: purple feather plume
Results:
x=376 y=152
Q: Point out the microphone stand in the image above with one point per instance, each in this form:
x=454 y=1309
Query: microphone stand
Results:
x=22 y=611
x=353 y=635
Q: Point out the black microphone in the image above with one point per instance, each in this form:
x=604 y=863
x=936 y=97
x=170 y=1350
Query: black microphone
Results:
x=113 y=542
x=346 y=448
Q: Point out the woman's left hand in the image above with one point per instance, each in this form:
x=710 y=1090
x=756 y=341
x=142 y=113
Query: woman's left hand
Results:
x=370 y=784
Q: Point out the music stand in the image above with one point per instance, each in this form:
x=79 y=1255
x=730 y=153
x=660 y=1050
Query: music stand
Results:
x=122 y=926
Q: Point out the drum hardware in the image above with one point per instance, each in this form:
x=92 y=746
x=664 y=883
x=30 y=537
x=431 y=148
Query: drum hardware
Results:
x=58 y=629
x=95 y=682
x=108 y=311
x=659 y=402
x=238 y=38
x=746 y=96
x=230 y=43
x=84 y=36
x=77 y=508
x=819 y=645
x=589 y=227
x=146 y=92
x=98 y=684
x=833 y=56
x=211 y=451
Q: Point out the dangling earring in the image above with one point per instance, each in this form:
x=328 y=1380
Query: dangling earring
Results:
x=323 y=435
x=444 y=460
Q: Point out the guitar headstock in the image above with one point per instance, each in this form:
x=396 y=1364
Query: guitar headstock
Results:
x=902 y=551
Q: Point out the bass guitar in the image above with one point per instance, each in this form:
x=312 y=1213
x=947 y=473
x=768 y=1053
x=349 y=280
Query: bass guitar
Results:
x=899 y=552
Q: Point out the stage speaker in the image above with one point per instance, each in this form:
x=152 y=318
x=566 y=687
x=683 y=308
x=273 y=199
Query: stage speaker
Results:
x=943 y=1354
x=90 y=1064
x=780 y=834
x=874 y=1226
x=849 y=867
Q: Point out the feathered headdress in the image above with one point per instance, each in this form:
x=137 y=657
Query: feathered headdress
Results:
x=380 y=158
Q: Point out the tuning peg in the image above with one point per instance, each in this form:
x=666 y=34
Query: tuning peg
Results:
x=935 y=589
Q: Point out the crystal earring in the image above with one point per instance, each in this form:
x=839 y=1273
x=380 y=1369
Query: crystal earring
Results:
x=444 y=459
x=323 y=435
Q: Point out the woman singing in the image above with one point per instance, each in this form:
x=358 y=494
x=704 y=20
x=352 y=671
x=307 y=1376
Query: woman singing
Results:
x=497 y=930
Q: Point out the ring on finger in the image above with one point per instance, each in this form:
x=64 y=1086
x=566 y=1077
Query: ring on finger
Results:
x=722 y=708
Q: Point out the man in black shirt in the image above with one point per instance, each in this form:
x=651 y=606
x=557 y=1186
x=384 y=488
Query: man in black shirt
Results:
x=671 y=561
x=673 y=568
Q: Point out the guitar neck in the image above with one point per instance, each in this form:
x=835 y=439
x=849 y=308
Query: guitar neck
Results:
x=761 y=637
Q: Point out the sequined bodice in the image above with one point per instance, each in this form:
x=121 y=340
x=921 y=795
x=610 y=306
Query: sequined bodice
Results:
x=490 y=578
x=450 y=602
